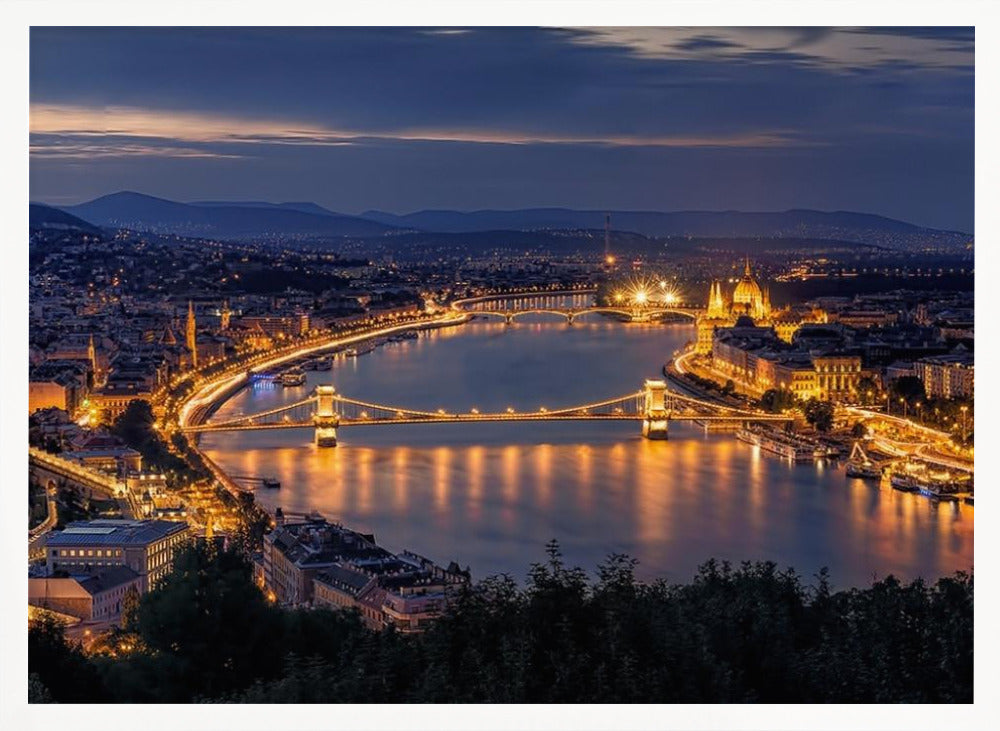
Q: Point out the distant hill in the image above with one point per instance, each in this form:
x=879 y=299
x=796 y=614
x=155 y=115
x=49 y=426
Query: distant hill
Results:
x=309 y=221
x=841 y=225
x=302 y=207
x=224 y=220
x=46 y=218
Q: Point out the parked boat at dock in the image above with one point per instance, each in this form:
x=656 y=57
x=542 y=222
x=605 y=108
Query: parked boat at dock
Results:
x=293 y=377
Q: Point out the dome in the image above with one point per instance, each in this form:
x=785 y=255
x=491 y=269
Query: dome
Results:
x=747 y=291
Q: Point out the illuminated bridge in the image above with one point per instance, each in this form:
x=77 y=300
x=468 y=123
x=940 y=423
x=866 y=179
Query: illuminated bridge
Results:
x=637 y=306
x=326 y=411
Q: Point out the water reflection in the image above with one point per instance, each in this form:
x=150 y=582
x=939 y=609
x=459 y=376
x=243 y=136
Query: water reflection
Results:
x=491 y=495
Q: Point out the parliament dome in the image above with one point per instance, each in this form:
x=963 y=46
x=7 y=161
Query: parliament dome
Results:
x=747 y=291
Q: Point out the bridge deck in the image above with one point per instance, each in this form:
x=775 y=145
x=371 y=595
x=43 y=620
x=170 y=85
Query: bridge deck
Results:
x=481 y=418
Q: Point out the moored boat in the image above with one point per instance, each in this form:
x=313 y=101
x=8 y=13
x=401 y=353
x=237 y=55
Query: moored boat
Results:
x=293 y=377
x=903 y=482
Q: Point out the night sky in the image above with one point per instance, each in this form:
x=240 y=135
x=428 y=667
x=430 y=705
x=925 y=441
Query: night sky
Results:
x=873 y=120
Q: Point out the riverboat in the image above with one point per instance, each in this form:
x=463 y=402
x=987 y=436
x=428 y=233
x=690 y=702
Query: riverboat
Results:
x=323 y=364
x=310 y=365
x=903 y=482
x=271 y=483
x=293 y=377
x=779 y=445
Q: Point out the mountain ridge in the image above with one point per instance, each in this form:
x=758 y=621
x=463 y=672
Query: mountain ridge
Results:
x=143 y=212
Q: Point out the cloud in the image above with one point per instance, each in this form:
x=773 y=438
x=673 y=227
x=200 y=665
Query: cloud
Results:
x=838 y=49
x=78 y=151
x=59 y=129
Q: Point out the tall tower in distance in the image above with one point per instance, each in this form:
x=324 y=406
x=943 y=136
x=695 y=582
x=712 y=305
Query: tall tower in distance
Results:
x=192 y=335
x=609 y=258
x=225 y=315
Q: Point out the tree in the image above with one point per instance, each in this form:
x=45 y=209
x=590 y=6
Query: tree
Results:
x=907 y=387
x=208 y=615
x=819 y=414
x=777 y=400
x=60 y=667
x=868 y=391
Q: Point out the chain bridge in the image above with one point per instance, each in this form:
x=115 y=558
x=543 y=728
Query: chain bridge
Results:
x=510 y=307
x=326 y=411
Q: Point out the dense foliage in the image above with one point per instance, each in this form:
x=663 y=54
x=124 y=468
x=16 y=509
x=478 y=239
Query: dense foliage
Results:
x=819 y=414
x=135 y=426
x=734 y=634
x=777 y=400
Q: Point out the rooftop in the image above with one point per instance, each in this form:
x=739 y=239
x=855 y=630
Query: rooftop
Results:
x=108 y=532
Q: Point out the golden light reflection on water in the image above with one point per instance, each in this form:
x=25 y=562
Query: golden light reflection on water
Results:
x=492 y=498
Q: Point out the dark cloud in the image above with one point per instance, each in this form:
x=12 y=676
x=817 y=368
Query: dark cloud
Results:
x=477 y=116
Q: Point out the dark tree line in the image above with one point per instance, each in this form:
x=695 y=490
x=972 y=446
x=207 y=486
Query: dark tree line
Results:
x=747 y=633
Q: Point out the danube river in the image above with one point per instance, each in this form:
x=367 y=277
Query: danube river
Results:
x=491 y=495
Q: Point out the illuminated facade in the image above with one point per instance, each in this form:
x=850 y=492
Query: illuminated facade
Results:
x=191 y=339
x=751 y=300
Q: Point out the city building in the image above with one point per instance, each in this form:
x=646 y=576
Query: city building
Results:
x=96 y=597
x=145 y=546
x=321 y=564
x=749 y=299
x=947 y=376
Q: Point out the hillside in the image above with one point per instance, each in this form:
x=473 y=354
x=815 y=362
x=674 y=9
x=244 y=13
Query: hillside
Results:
x=806 y=224
x=226 y=221
x=46 y=218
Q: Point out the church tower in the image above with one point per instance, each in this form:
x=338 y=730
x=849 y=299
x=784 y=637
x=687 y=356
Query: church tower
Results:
x=192 y=335
x=224 y=316
x=716 y=304
x=92 y=354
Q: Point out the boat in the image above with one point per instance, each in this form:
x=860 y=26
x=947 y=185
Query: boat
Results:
x=903 y=482
x=778 y=444
x=271 y=482
x=860 y=466
x=323 y=364
x=310 y=365
x=293 y=377
x=351 y=353
x=869 y=471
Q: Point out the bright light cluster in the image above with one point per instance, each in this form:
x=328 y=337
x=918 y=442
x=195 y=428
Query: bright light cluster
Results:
x=642 y=292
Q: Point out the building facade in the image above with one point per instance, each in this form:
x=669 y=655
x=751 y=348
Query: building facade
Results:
x=947 y=376
x=145 y=546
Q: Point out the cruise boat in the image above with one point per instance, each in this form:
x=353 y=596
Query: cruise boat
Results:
x=293 y=377
x=903 y=482
x=310 y=365
x=271 y=482
x=778 y=444
x=322 y=364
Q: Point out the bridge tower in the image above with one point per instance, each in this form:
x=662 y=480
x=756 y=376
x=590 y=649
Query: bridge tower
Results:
x=325 y=419
x=656 y=421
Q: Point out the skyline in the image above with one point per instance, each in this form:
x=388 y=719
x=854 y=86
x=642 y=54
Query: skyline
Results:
x=872 y=120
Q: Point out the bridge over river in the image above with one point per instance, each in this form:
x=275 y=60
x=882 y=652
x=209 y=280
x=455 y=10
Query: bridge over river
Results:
x=326 y=410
